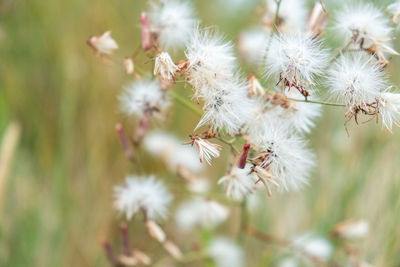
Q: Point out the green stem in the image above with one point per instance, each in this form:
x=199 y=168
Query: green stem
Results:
x=318 y=102
x=276 y=19
x=243 y=220
x=184 y=102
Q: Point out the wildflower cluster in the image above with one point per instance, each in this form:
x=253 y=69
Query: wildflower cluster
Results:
x=269 y=123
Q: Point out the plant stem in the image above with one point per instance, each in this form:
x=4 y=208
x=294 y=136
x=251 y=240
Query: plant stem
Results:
x=318 y=102
x=184 y=102
x=243 y=220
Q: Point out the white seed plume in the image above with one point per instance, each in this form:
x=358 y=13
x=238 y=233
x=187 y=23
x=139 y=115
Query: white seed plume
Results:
x=356 y=80
x=142 y=194
x=164 y=67
x=292 y=14
x=239 y=182
x=366 y=25
x=314 y=245
x=172 y=151
x=226 y=253
x=389 y=109
x=200 y=212
x=394 y=9
x=172 y=21
x=211 y=61
x=143 y=96
x=103 y=44
x=287 y=157
x=228 y=108
x=252 y=45
x=352 y=229
x=296 y=57
x=206 y=149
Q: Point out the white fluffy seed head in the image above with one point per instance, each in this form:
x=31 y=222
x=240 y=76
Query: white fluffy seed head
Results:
x=227 y=108
x=142 y=194
x=364 y=23
x=239 y=182
x=172 y=21
x=356 y=80
x=252 y=45
x=389 y=109
x=296 y=56
x=314 y=245
x=226 y=253
x=289 y=160
x=211 y=61
x=164 y=67
x=143 y=96
x=292 y=14
x=200 y=212
x=394 y=9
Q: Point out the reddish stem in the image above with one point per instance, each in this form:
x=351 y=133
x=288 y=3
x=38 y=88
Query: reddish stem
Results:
x=110 y=254
x=143 y=127
x=146 y=35
x=124 y=142
x=243 y=156
x=126 y=248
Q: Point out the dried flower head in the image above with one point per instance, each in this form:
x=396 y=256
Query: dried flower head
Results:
x=144 y=96
x=365 y=27
x=172 y=22
x=226 y=253
x=164 y=67
x=206 y=149
x=239 y=182
x=142 y=194
x=103 y=44
x=128 y=65
x=295 y=59
x=352 y=229
x=201 y=212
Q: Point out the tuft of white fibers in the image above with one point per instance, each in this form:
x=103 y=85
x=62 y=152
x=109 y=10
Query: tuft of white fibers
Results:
x=284 y=156
x=252 y=45
x=389 y=109
x=356 y=80
x=314 y=245
x=352 y=229
x=199 y=185
x=172 y=151
x=164 y=67
x=292 y=14
x=226 y=253
x=144 y=96
x=142 y=194
x=200 y=212
x=228 y=108
x=394 y=9
x=299 y=115
x=239 y=182
x=211 y=61
x=365 y=24
x=172 y=21
x=103 y=44
x=289 y=262
x=296 y=57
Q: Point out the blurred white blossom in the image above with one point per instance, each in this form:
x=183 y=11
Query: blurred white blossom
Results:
x=226 y=253
x=239 y=182
x=103 y=44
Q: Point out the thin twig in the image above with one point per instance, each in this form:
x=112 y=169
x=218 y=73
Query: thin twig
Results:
x=317 y=102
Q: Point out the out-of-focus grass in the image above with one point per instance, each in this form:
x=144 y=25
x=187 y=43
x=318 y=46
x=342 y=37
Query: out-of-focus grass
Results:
x=58 y=205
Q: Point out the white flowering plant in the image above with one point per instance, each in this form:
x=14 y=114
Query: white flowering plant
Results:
x=260 y=122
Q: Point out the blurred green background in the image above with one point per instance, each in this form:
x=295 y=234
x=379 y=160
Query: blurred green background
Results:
x=56 y=206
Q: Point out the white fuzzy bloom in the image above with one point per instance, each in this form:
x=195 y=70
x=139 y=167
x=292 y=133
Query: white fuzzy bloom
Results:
x=172 y=151
x=199 y=185
x=299 y=115
x=206 y=149
x=356 y=80
x=143 y=96
x=296 y=57
x=292 y=14
x=252 y=45
x=211 y=62
x=289 y=262
x=164 y=67
x=228 y=108
x=389 y=109
x=365 y=25
x=313 y=245
x=200 y=212
x=394 y=9
x=287 y=158
x=226 y=253
x=104 y=44
x=239 y=182
x=142 y=193
x=172 y=21
x=352 y=229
